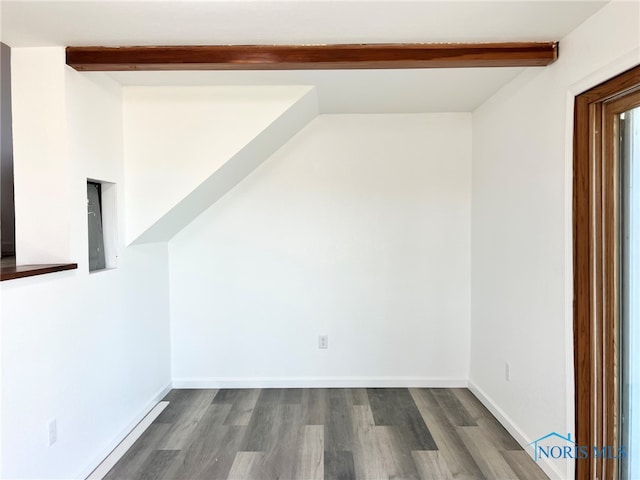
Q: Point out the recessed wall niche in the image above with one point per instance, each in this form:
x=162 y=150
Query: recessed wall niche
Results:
x=101 y=225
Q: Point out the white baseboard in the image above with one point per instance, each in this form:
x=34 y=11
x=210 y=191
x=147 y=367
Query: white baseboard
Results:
x=108 y=463
x=549 y=468
x=122 y=436
x=319 y=382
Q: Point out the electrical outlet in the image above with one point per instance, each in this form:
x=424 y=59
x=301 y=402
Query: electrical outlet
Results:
x=323 y=341
x=53 y=431
x=507 y=371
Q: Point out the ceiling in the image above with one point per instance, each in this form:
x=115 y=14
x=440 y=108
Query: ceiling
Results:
x=143 y=22
x=359 y=91
x=88 y=22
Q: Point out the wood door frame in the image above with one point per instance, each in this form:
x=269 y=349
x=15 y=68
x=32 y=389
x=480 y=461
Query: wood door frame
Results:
x=596 y=269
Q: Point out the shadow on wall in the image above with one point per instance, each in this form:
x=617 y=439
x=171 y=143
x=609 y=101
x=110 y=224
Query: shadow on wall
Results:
x=7 y=205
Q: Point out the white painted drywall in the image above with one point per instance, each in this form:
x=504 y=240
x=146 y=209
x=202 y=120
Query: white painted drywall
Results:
x=521 y=307
x=90 y=350
x=178 y=137
x=40 y=152
x=357 y=228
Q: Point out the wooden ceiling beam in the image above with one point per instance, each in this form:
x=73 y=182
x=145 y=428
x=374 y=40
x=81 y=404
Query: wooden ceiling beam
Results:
x=313 y=57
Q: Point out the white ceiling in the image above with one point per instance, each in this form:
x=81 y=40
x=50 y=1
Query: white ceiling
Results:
x=87 y=22
x=358 y=91
x=144 y=22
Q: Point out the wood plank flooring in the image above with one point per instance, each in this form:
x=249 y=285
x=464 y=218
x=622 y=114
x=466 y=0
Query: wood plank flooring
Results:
x=331 y=434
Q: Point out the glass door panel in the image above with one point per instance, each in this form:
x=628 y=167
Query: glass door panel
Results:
x=629 y=158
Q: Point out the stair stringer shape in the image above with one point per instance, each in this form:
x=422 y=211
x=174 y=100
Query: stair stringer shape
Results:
x=234 y=170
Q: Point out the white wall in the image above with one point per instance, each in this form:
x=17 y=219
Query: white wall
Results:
x=521 y=307
x=177 y=137
x=41 y=160
x=91 y=350
x=357 y=228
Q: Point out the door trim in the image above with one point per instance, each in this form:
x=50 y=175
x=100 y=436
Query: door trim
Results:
x=596 y=269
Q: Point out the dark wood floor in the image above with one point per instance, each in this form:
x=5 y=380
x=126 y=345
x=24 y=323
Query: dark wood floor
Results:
x=308 y=434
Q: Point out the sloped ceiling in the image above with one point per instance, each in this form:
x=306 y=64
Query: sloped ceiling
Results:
x=186 y=147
